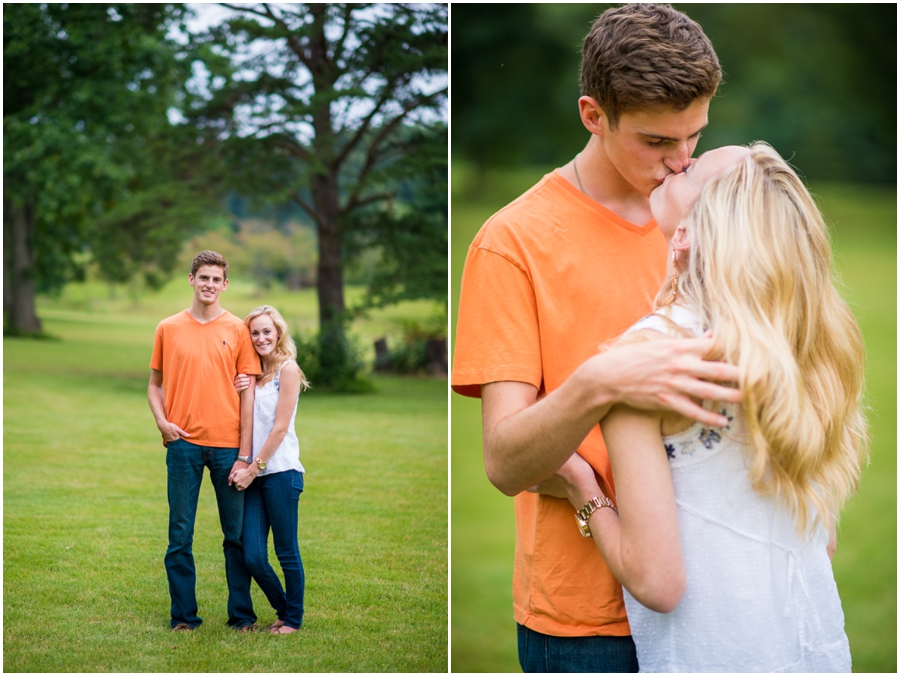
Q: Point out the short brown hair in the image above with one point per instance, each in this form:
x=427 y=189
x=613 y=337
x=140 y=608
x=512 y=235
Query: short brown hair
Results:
x=643 y=55
x=209 y=258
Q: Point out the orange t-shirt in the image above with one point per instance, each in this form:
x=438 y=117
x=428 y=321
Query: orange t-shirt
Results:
x=548 y=279
x=199 y=363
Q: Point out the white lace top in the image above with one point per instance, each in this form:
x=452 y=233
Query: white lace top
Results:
x=287 y=455
x=759 y=598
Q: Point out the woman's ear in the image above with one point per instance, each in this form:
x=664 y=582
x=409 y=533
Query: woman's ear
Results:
x=592 y=116
x=681 y=241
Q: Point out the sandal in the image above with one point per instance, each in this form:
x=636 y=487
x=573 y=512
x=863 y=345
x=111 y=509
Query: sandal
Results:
x=182 y=626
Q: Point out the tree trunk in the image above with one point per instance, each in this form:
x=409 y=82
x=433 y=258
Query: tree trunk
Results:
x=7 y=258
x=335 y=356
x=338 y=364
x=19 y=269
x=330 y=281
x=324 y=182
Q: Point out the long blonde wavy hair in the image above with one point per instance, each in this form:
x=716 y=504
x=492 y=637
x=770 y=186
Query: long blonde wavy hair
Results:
x=285 y=349
x=758 y=273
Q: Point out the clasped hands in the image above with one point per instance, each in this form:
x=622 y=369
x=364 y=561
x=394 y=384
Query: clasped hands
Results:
x=242 y=475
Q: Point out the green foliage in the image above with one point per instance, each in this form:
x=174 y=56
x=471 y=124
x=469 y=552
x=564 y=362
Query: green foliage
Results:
x=87 y=85
x=511 y=63
x=259 y=250
x=817 y=81
x=170 y=197
x=411 y=234
x=285 y=257
x=93 y=169
x=411 y=355
x=332 y=360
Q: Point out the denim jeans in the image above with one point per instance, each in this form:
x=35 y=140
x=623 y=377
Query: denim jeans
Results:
x=185 y=462
x=540 y=653
x=271 y=502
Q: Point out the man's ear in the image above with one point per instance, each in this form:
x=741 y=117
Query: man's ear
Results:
x=681 y=241
x=592 y=116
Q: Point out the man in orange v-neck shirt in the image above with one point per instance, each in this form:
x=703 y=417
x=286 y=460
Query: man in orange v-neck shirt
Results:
x=567 y=266
x=204 y=423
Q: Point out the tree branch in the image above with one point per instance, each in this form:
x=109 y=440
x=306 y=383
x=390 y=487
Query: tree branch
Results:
x=303 y=204
x=236 y=8
x=292 y=147
x=363 y=128
x=339 y=45
x=356 y=203
x=374 y=147
x=292 y=42
x=308 y=208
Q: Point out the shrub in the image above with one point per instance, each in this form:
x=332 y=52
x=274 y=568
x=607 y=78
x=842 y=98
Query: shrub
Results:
x=331 y=361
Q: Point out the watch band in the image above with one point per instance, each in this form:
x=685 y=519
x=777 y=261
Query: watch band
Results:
x=245 y=458
x=583 y=515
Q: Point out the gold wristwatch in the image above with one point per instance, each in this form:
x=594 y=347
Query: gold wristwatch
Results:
x=583 y=515
x=261 y=464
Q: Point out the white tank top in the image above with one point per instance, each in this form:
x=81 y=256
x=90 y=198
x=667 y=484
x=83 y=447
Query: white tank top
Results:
x=759 y=598
x=287 y=455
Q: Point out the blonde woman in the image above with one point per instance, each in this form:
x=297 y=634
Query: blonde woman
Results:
x=273 y=479
x=723 y=537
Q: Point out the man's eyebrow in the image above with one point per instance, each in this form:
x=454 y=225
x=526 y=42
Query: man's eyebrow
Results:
x=657 y=137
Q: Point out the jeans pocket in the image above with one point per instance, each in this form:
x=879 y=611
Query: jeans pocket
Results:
x=175 y=452
x=297 y=482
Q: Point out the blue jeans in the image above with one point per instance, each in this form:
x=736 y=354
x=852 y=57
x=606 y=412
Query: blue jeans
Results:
x=185 y=462
x=540 y=653
x=271 y=502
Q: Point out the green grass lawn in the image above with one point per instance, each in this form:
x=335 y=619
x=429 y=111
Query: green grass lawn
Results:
x=85 y=512
x=482 y=521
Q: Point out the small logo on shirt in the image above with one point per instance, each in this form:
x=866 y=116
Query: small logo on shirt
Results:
x=223 y=342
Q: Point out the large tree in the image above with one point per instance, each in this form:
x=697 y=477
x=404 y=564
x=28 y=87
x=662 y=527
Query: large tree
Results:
x=319 y=103
x=90 y=162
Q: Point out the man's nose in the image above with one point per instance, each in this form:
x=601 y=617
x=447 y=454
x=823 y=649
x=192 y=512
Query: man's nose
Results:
x=679 y=159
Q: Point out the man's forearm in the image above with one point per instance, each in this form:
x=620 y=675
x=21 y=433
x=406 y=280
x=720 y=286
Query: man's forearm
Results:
x=525 y=440
x=247 y=398
x=157 y=403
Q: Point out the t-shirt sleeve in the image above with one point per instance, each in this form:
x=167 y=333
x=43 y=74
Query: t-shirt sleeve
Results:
x=247 y=359
x=156 y=359
x=497 y=337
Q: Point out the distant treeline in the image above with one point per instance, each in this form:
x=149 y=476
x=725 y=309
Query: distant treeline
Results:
x=817 y=81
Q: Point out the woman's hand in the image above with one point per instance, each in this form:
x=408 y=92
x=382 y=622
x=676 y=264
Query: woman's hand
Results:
x=242 y=478
x=241 y=382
